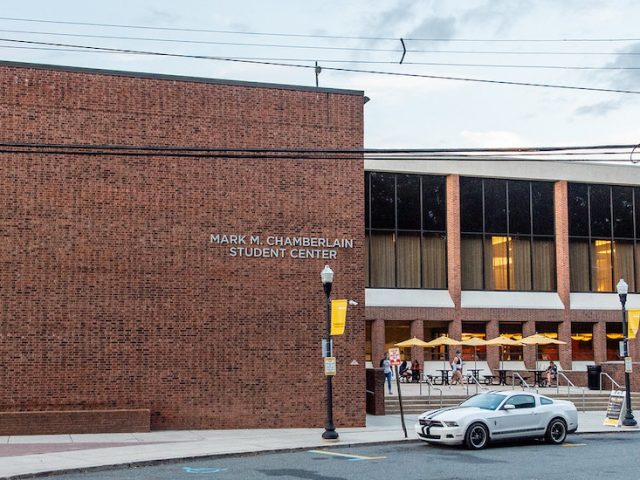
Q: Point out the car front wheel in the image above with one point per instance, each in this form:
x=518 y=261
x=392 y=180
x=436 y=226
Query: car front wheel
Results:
x=556 y=431
x=477 y=436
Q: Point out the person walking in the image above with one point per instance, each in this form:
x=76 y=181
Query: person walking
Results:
x=385 y=363
x=456 y=366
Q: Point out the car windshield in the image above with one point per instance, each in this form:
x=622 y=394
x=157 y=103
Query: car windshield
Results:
x=488 y=401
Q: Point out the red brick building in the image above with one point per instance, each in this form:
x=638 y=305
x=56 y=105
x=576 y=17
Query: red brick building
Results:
x=114 y=293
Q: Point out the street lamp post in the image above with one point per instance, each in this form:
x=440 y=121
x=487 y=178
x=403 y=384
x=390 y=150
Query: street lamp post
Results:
x=327 y=282
x=623 y=288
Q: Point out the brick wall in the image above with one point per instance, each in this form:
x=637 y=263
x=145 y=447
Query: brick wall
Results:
x=111 y=295
x=74 y=421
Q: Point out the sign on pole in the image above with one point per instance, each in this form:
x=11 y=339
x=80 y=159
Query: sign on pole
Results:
x=394 y=357
x=615 y=408
x=329 y=365
x=628 y=365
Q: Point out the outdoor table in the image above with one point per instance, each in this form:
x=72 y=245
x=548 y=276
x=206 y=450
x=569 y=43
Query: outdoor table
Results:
x=444 y=372
x=502 y=377
x=475 y=372
x=537 y=376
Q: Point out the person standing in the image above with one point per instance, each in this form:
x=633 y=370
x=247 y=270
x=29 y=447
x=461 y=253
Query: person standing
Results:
x=385 y=363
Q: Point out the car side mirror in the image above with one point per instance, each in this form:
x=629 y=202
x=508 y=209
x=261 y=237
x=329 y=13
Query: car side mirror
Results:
x=509 y=407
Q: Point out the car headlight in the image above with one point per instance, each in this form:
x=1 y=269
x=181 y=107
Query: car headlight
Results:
x=450 y=424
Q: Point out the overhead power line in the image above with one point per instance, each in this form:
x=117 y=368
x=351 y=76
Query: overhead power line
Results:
x=359 y=62
x=336 y=69
x=311 y=47
x=338 y=37
x=563 y=150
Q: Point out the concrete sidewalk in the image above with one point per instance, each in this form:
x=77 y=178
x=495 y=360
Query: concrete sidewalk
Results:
x=32 y=455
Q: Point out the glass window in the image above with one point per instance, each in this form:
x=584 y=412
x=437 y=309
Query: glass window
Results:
x=383 y=205
x=408 y=251
x=543 y=263
x=579 y=265
x=542 y=196
x=399 y=253
x=600 y=207
x=519 y=207
x=507 y=256
x=367 y=199
x=434 y=203
x=622 y=199
x=434 y=260
x=408 y=202
x=578 y=210
x=603 y=246
x=471 y=254
x=522 y=401
x=471 y=216
x=614 y=335
x=636 y=192
x=582 y=341
x=495 y=210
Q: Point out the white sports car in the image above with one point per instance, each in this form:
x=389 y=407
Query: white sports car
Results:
x=499 y=415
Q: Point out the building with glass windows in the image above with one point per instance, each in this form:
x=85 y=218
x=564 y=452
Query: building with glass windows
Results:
x=481 y=249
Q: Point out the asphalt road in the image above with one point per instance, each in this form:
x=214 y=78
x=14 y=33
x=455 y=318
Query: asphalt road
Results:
x=581 y=457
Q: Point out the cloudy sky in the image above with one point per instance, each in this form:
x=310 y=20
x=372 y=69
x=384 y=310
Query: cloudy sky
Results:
x=579 y=43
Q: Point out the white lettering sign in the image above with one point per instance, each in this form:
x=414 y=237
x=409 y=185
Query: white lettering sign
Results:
x=280 y=246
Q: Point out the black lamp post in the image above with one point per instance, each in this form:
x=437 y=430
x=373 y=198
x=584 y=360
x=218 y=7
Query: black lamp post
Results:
x=623 y=288
x=327 y=282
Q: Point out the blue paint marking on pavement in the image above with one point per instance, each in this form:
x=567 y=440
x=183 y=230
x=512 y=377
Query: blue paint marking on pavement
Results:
x=203 y=470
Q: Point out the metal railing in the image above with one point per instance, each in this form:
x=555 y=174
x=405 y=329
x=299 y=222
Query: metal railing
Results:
x=613 y=382
x=471 y=376
x=430 y=385
x=569 y=385
x=523 y=383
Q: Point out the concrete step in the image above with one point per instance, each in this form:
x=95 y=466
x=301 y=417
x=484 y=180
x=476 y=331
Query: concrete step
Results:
x=416 y=404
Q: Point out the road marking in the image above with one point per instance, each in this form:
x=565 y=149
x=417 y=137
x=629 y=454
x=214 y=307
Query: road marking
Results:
x=346 y=455
x=573 y=445
x=203 y=470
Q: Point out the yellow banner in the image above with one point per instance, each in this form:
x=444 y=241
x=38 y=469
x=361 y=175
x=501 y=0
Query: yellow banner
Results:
x=633 y=321
x=338 y=316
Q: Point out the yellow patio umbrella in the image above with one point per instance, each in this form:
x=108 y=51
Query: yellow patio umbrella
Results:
x=540 y=339
x=474 y=342
x=503 y=341
x=412 y=342
x=443 y=340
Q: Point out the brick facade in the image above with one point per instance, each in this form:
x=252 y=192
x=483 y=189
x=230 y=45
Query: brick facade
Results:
x=112 y=296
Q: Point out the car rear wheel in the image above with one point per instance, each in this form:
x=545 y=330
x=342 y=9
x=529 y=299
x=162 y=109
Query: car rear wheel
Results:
x=477 y=436
x=556 y=431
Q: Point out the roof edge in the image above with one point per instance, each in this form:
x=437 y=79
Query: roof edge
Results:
x=178 y=78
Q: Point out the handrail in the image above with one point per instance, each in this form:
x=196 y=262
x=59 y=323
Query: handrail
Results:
x=430 y=385
x=569 y=385
x=523 y=384
x=613 y=382
x=476 y=381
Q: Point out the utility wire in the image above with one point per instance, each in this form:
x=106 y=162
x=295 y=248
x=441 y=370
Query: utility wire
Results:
x=306 y=47
x=362 y=62
x=562 y=150
x=338 y=37
x=336 y=69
